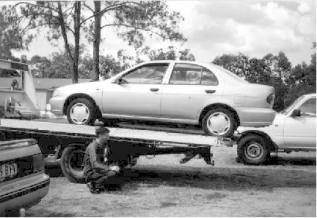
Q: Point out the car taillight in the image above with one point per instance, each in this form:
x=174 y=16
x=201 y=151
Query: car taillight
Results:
x=270 y=98
x=38 y=163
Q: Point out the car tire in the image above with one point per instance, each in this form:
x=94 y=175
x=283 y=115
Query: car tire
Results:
x=222 y=114
x=86 y=112
x=253 y=149
x=72 y=163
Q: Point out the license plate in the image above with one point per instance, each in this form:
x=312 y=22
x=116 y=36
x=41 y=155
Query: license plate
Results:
x=8 y=170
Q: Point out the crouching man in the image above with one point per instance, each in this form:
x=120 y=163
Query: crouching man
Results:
x=96 y=170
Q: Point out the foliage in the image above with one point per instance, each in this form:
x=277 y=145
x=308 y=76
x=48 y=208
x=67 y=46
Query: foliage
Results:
x=274 y=70
x=11 y=34
x=169 y=54
x=133 y=21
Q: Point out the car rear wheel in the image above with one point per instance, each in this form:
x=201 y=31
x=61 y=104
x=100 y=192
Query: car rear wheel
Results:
x=81 y=111
x=253 y=149
x=219 y=122
x=72 y=163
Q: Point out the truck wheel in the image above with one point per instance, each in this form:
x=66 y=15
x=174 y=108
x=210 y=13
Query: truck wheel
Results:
x=72 y=164
x=81 y=111
x=253 y=149
x=219 y=122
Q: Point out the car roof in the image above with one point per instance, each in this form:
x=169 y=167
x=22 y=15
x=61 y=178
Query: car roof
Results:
x=179 y=61
x=310 y=95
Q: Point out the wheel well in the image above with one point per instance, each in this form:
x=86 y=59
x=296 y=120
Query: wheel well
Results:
x=73 y=97
x=272 y=145
x=212 y=106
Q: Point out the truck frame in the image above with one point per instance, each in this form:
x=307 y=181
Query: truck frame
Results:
x=65 y=144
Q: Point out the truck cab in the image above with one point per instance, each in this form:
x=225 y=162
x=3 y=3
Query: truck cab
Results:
x=17 y=91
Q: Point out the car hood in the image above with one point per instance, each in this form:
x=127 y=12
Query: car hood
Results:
x=85 y=87
x=278 y=120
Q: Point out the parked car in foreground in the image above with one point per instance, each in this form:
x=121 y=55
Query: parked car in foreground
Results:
x=172 y=92
x=23 y=182
x=294 y=129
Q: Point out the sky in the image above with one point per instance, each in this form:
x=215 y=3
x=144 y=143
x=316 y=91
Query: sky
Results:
x=216 y=27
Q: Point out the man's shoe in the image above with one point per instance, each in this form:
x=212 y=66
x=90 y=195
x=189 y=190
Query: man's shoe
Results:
x=92 y=189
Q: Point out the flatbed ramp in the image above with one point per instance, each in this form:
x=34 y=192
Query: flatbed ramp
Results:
x=114 y=132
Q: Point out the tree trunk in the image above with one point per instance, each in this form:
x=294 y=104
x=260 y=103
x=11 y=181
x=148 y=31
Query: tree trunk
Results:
x=64 y=34
x=96 y=42
x=77 y=13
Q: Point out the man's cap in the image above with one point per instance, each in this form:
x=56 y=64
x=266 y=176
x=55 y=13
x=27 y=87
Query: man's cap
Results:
x=102 y=130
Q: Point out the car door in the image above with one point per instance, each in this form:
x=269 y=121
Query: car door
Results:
x=300 y=131
x=188 y=87
x=138 y=94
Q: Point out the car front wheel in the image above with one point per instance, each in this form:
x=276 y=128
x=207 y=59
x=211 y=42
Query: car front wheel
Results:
x=81 y=111
x=219 y=122
x=253 y=149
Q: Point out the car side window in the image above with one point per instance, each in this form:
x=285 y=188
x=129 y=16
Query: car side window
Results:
x=147 y=74
x=309 y=108
x=191 y=74
x=208 y=78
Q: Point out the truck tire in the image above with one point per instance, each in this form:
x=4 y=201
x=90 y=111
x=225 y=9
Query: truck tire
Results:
x=225 y=129
x=253 y=149
x=81 y=111
x=72 y=163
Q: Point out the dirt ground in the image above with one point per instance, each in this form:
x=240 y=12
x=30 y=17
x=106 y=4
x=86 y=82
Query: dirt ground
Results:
x=162 y=187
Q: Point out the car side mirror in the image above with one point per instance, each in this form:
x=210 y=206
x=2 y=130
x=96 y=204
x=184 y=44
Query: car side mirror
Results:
x=121 y=81
x=296 y=113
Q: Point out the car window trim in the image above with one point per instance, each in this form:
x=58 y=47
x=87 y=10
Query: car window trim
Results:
x=300 y=106
x=170 y=76
x=144 y=65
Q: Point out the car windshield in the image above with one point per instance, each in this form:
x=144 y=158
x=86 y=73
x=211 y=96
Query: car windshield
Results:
x=291 y=107
x=229 y=73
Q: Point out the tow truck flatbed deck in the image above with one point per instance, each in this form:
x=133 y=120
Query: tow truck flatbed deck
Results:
x=136 y=134
x=65 y=144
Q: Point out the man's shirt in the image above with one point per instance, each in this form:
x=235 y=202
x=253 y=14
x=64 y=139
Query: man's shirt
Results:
x=94 y=158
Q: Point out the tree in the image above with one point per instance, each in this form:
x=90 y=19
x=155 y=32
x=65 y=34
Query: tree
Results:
x=167 y=54
x=270 y=70
x=108 y=66
x=40 y=66
x=60 y=19
x=11 y=35
x=132 y=20
x=281 y=68
x=238 y=64
x=302 y=80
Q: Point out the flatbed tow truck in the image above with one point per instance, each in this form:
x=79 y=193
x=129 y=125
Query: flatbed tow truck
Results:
x=65 y=144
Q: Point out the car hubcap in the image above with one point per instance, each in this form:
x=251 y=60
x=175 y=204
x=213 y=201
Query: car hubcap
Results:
x=254 y=150
x=79 y=113
x=218 y=123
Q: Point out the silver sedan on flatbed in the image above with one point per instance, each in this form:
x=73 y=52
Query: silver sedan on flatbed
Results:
x=171 y=92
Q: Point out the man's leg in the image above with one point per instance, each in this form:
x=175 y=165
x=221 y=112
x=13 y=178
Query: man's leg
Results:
x=93 y=179
x=99 y=181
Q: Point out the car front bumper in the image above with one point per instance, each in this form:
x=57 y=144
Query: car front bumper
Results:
x=23 y=192
x=56 y=105
x=256 y=117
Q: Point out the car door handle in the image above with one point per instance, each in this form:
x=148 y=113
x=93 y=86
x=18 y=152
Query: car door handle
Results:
x=209 y=91
x=154 y=89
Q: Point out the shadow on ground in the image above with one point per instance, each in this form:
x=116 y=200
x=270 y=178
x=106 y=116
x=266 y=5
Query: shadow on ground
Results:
x=212 y=178
x=296 y=161
x=220 y=178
